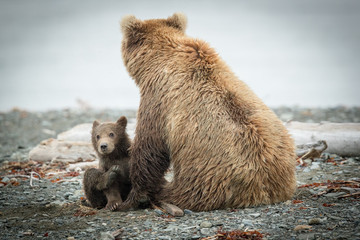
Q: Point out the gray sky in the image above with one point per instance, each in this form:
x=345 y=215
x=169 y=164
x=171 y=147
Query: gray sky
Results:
x=304 y=52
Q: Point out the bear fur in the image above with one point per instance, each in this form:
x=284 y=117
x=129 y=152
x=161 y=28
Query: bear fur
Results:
x=109 y=185
x=227 y=148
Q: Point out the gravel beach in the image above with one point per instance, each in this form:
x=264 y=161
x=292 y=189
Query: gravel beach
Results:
x=326 y=204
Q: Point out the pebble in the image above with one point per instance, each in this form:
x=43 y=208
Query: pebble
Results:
x=306 y=236
x=315 y=166
x=67 y=195
x=350 y=161
x=247 y=222
x=187 y=211
x=302 y=227
x=165 y=237
x=6 y=180
x=158 y=212
x=308 y=162
x=206 y=224
x=205 y=231
x=334 y=194
x=106 y=236
x=91 y=230
x=314 y=221
x=172 y=228
x=255 y=215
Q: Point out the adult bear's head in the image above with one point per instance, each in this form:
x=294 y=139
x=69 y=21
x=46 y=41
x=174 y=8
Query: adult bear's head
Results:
x=146 y=44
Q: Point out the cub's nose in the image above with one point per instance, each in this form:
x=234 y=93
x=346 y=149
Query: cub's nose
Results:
x=103 y=146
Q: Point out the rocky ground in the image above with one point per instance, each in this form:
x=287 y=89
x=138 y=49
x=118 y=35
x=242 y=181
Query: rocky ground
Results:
x=325 y=206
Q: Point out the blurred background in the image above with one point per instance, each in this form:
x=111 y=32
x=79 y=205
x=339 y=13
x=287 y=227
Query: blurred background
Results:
x=66 y=54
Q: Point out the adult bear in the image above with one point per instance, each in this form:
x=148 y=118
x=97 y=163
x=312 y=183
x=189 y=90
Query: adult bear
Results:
x=227 y=148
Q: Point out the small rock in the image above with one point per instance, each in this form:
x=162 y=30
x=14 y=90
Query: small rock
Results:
x=205 y=224
x=91 y=230
x=306 y=236
x=172 y=228
x=283 y=226
x=247 y=222
x=338 y=173
x=57 y=202
x=205 y=231
x=106 y=236
x=302 y=227
x=165 y=237
x=13 y=180
x=70 y=238
x=187 y=211
x=67 y=195
x=308 y=162
x=28 y=233
x=334 y=194
x=315 y=166
x=172 y=209
x=350 y=161
x=158 y=211
x=148 y=223
x=255 y=215
x=334 y=217
x=314 y=221
x=5 y=180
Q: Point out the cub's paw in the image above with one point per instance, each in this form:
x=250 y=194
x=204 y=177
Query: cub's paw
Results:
x=112 y=176
x=107 y=180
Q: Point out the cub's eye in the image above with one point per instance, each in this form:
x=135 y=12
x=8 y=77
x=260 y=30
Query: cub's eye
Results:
x=98 y=137
x=111 y=135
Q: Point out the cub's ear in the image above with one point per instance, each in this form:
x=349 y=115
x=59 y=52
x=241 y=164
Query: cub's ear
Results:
x=177 y=20
x=129 y=24
x=122 y=121
x=96 y=123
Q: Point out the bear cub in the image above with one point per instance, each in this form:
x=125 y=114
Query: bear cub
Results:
x=109 y=185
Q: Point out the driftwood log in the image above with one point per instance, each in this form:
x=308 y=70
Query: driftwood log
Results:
x=341 y=138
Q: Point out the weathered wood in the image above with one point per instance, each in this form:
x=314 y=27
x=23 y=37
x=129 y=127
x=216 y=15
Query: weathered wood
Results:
x=71 y=146
x=342 y=138
x=54 y=150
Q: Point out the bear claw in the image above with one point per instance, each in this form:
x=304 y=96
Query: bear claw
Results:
x=113 y=205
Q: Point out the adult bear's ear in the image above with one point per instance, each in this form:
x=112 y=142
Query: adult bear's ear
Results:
x=96 y=123
x=130 y=24
x=177 y=20
x=122 y=121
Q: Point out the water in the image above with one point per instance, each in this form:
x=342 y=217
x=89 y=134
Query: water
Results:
x=54 y=53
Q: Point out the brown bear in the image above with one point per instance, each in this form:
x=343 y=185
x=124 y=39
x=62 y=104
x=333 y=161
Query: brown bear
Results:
x=110 y=184
x=227 y=148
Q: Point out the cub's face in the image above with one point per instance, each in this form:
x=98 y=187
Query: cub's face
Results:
x=144 y=40
x=106 y=136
